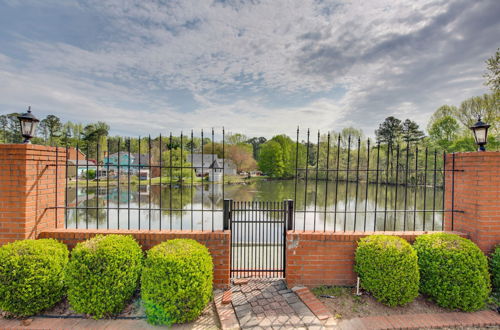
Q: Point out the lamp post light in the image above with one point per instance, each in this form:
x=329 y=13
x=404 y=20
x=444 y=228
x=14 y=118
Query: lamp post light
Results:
x=480 y=131
x=28 y=125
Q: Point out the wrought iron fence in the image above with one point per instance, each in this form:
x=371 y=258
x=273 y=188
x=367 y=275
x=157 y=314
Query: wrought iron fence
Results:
x=366 y=187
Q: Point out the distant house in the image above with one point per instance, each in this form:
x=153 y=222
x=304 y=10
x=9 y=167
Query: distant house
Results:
x=78 y=164
x=215 y=171
x=203 y=165
x=124 y=162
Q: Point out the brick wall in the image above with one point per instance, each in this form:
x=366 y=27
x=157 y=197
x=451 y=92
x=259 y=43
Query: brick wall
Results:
x=477 y=194
x=217 y=242
x=30 y=185
x=326 y=258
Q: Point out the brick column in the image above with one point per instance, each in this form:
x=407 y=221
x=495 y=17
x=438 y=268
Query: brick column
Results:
x=29 y=189
x=474 y=188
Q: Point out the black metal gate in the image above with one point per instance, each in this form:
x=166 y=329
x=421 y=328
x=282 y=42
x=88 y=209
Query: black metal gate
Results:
x=258 y=237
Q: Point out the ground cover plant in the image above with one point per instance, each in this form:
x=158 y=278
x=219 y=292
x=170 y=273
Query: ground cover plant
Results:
x=495 y=269
x=453 y=271
x=388 y=268
x=103 y=274
x=176 y=281
x=32 y=275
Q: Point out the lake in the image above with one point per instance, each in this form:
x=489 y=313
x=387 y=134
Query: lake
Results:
x=140 y=207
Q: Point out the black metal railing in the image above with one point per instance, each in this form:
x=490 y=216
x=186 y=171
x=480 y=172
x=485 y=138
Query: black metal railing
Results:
x=346 y=184
x=145 y=183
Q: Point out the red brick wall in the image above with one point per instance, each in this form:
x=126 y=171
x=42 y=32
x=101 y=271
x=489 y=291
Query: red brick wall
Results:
x=477 y=194
x=217 y=242
x=29 y=189
x=317 y=258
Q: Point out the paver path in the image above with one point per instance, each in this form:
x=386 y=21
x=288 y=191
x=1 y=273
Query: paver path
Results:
x=268 y=304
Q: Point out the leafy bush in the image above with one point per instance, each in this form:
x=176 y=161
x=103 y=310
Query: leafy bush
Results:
x=453 y=271
x=103 y=274
x=32 y=275
x=388 y=268
x=176 y=281
x=495 y=268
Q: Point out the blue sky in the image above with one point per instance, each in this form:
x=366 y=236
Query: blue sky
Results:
x=257 y=67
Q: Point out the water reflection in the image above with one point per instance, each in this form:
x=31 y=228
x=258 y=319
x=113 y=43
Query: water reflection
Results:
x=155 y=207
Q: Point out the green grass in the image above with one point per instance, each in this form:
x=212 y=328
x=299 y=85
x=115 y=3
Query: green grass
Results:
x=336 y=291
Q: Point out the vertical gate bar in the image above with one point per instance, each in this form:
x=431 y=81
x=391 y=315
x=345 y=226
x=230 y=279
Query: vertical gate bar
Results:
x=357 y=185
x=234 y=234
x=434 y=192
x=406 y=185
x=425 y=190
x=192 y=179
x=367 y=180
x=181 y=185
x=212 y=206
x=260 y=226
x=202 y=178
x=87 y=189
x=171 y=150
x=326 y=181
x=274 y=240
x=77 y=179
x=107 y=186
x=245 y=232
x=376 y=187
x=283 y=238
x=397 y=183
x=118 y=188
x=452 y=191
x=336 y=186
x=149 y=175
x=270 y=238
x=444 y=190
x=57 y=184
x=296 y=167
x=386 y=183
x=223 y=162
x=128 y=181
x=316 y=184
x=161 y=188
x=139 y=188
x=97 y=189
x=290 y=214
x=66 y=189
x=305 y=188
x=347 y=181
x=416 y=188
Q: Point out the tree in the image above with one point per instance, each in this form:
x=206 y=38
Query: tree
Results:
x=172 y=160
x=235 y=138
x=389 y=131
x=493 y=74
x=443 y=132
x=411 y=132
x=3 y=128
x=256 y=142
x=52 y=127
x=271 y=159
x=242 y=158
x=442 y=111
x=485 y=106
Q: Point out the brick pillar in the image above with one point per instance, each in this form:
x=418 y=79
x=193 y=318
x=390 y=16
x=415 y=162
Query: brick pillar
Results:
x=29 y=189
x=476 y=192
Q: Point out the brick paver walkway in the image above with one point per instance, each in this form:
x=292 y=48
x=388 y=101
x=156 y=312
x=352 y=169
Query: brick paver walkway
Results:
x=268 y=304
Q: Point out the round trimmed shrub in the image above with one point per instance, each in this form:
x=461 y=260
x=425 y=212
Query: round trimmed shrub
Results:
x=103 y=274
x=388 y=269
x=453 y=271
x=176 y=281
x=32 y=275
x=495 y=268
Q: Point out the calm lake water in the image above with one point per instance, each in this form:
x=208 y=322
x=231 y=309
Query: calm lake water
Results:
x=140 y=207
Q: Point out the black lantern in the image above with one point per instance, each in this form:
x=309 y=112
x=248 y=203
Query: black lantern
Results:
x=480 y=131
x=28 y=125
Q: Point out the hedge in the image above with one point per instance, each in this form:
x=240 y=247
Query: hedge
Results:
x=103 y=274
x=453 y=271
x=32 y=275
x=495 y=268
x=388 y=269
x=176 y=281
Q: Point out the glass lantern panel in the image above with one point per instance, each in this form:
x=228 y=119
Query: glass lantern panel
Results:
x=480 y=135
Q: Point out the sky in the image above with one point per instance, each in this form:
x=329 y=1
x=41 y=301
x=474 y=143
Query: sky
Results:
x=257 y=67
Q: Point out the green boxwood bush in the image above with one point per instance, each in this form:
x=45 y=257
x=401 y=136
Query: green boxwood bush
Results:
x=453 y=271
x=495 y=268
x=103 y=274
x=388 y=269
x=32 y=275
x=176 y=281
